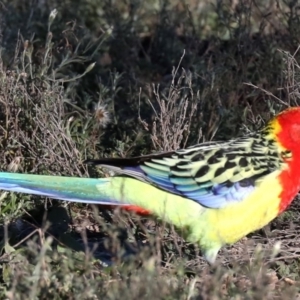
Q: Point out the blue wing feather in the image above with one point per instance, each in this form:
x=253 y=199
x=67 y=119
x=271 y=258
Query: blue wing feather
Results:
x=207 y=194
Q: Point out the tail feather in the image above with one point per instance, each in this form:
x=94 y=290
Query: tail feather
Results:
x=124 y=191
x=83 y=190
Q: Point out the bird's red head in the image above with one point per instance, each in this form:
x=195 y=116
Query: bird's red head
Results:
x=287 y=128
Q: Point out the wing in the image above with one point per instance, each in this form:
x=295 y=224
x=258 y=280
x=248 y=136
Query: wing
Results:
x=213 y=174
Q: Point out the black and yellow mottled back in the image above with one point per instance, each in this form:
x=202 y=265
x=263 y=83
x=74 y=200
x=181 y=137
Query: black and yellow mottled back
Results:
x=212 y=173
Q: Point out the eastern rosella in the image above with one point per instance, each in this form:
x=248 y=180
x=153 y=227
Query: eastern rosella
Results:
x=218 y=191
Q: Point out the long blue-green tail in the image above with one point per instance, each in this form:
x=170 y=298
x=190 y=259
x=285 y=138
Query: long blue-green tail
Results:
x=117 y=190
x=75 y=189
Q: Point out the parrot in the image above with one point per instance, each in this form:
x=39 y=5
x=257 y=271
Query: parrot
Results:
x=216 y=192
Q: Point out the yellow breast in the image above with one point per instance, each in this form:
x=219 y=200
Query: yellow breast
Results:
x=240 y=218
